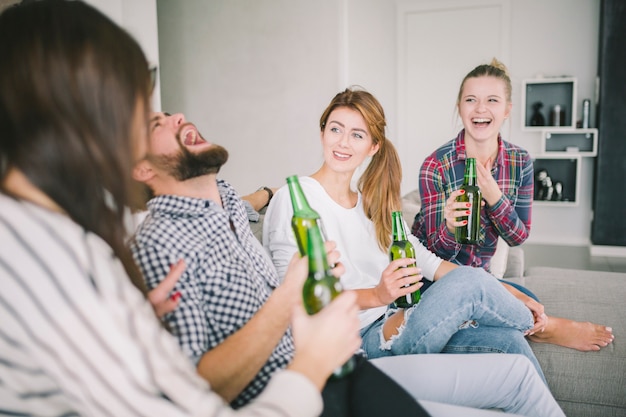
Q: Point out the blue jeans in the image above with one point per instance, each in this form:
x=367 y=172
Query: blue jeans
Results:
x=466 y=311
x=522 y=289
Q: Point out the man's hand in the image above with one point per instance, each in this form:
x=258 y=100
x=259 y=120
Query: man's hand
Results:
x=295 y=276
x=325 y=340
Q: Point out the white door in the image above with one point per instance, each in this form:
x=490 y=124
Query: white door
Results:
x=438 y=44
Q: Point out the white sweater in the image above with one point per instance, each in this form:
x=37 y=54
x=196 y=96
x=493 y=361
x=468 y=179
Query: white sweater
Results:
x=349 y=228
x=76 y=337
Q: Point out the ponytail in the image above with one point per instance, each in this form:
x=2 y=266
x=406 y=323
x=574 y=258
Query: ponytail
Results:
x=380 y=189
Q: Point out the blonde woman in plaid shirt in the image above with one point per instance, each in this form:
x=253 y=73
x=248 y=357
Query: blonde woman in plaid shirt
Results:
x=505 y=177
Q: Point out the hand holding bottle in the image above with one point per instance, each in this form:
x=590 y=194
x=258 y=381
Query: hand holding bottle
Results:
x=401 y=277
x=326 y=340
x=402 y=248
x=333 y=255
x=297 y=271
x=321 y=286
x=454 y=210
x=468 y=233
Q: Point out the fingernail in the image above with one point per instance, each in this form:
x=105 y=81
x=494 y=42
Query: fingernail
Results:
x=462 y=191
x=176 y=296
x=172 y=266
x=464 y=221
x=468 y=205
x=468 y=213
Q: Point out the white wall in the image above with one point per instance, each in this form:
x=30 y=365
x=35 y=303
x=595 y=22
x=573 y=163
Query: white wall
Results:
x=139 y=18
x=255 y=77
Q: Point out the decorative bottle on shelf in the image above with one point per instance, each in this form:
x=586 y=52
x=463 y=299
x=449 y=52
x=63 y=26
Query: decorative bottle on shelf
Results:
x=557 y=117
x=304 y=216
x=402 y=248
x=586 y=113
x=321 y=286
x=470 y=232
x=537 y=119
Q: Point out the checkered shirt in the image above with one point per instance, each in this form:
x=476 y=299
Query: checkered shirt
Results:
x=226 y=281
x=510 y=218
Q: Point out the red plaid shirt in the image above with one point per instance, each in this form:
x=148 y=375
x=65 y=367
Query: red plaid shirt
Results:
x=442 y=173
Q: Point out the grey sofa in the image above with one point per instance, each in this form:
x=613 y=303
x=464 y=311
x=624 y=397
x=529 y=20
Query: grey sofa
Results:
x=584 y=383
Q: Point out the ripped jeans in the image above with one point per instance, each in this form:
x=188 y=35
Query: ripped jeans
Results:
x=466 y=311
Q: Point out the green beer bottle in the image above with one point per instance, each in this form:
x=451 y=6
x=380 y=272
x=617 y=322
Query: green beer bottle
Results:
x=469 y=233
x=402 y=248
x=321 y=286
x=304 y=217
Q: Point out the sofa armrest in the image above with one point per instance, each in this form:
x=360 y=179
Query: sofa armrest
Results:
x=508 y=262
x=515 y=263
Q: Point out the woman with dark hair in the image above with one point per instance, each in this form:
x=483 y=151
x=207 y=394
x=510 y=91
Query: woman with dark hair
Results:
x=76 y=337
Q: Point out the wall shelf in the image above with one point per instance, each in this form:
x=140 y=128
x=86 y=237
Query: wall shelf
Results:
x=549 y=93
x=583 y=142
x=563 y=169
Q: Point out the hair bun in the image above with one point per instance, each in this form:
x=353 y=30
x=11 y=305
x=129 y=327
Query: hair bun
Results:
x=499 y=65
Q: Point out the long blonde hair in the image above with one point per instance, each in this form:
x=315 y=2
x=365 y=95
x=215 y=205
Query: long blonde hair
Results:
x=380 y=183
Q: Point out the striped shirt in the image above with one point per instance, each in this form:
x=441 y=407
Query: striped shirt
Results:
x=442 y=173
x=76 y=338
x=227 y=279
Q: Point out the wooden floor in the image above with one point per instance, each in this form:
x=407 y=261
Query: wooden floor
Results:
x=571 y=257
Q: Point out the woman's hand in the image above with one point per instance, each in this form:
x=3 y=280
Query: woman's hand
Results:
x=487 y=184
x=539 y=315
x=160 y=298
x=398 y=279
x=333 y=255
x=454 y=210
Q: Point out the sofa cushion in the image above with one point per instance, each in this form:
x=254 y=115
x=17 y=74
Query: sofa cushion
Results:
x=499 y=259
x=584 y=383
x=411 y=206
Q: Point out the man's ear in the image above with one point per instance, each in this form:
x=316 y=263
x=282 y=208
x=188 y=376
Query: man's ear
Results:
x=143 y=171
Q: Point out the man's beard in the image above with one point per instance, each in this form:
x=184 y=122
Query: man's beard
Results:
x=185 y=165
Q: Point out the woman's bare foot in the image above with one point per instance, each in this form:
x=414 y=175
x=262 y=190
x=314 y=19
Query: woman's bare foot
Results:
x=583 y=336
